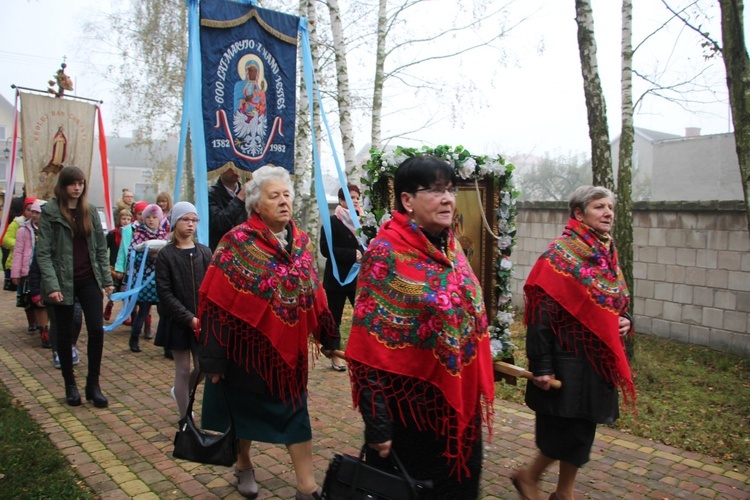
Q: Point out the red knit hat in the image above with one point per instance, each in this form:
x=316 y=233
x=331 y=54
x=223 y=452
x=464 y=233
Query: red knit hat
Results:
x=28 y=201
x=139 y=207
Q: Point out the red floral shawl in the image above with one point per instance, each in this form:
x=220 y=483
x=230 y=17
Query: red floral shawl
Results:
x=581 y=273
x=420 y=327
x=272 y=302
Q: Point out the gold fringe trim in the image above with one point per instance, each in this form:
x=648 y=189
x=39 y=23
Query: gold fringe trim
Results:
x=231 y=23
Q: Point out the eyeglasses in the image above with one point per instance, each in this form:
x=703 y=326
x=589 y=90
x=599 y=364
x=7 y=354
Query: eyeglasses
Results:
x=191 y=221
x=437 y=192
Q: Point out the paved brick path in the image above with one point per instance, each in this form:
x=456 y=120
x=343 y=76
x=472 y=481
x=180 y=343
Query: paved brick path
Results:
x=124 y=451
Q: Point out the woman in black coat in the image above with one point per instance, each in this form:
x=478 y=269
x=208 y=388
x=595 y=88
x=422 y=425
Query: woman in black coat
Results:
x=347 y=250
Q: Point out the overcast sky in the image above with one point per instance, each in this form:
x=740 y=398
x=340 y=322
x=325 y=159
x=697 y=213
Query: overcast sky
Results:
x=531 y=104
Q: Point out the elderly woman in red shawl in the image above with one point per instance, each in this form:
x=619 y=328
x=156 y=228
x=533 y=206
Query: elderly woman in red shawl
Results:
x=259 y=303
x=576 y=317
x=419 y=352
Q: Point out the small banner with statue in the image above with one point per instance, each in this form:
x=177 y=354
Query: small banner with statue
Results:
x=56 y=133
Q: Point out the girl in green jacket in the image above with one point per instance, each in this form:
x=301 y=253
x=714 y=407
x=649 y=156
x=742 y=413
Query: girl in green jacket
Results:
x=72 y=255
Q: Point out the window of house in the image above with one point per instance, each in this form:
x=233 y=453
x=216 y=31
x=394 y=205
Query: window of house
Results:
x=144 y=191
x=2 y=132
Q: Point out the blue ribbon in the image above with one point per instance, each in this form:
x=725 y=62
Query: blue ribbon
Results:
x=320 y=193
x=130 y=295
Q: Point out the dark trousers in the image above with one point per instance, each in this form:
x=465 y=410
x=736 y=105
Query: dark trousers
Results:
x=90 y=296
x=336 y=303
x=144 y=308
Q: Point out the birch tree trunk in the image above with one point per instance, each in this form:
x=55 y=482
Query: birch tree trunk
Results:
x=302 y=154
x=313 y=216
x=601 y=156
x=344 y=96
x=377 y=94
x=623 y=230
x=738 y=82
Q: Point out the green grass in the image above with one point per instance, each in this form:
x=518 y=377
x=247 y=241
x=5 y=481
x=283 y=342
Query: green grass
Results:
x=30 y=465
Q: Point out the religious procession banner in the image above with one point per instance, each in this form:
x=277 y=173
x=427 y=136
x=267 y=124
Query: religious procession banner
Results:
x=56 y=133
x=249 y=64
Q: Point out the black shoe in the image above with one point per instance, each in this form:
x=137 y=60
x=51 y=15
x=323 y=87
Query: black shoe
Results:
x=93 y=392
x=135 y=346
x=72 y=397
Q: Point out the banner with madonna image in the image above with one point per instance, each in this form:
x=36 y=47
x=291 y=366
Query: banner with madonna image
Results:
x=56 y=133
x=249 y=64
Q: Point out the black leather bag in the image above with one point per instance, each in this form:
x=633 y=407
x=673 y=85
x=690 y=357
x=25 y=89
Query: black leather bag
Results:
x=196 y=445
x=352 y=478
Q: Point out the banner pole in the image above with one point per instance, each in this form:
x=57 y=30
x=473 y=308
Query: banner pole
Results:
x=66 y=96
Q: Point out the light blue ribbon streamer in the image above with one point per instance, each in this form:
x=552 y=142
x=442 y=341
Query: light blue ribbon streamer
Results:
x=320 y=193
x=130 y=296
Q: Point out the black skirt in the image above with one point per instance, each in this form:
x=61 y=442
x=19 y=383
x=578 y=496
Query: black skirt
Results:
x=174 y=337
x=566 y=439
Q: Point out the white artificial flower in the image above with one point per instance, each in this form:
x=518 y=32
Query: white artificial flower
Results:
x=386 y=217
x=504 y=242
x=468 y=168
x=504 y=318
x=505 y=264
x=368 y=219
x=496 y=347
x=503 y=299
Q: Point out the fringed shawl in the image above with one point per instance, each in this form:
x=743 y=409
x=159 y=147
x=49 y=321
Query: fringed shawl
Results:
x=420 y=330
x=581 y=273
x=262 y=303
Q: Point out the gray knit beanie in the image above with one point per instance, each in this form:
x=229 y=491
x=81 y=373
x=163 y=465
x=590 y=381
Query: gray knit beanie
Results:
x=179 y=210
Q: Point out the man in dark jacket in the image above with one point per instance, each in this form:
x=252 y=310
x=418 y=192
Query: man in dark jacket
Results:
x=226 y=206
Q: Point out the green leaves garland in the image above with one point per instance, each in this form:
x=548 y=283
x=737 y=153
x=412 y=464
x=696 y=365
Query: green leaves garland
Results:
x=382 y=166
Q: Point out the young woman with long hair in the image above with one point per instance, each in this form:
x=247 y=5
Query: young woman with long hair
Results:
x=72 y=255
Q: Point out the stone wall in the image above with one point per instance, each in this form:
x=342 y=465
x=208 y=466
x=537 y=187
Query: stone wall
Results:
x=692 y=267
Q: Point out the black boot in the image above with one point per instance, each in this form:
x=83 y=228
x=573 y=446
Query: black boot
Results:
x=134 y=345
x=72 y=397
x=93 y=392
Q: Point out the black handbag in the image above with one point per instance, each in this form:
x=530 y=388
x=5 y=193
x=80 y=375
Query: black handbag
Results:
x=352 y=478
x=196 y=445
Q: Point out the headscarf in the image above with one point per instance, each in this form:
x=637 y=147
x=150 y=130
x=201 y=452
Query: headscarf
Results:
x=580 y=272
x=262 y=301
x=420 y=328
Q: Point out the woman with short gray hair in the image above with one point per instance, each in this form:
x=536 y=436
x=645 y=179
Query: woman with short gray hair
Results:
x=254 y=188
x=259 y=303
x=583 y=195
x=576 y=318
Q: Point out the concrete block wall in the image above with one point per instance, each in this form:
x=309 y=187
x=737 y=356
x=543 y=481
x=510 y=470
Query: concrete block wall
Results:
x=691 y=269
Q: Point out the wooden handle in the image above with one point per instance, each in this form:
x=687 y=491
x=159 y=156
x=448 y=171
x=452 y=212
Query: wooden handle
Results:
x=517 y=371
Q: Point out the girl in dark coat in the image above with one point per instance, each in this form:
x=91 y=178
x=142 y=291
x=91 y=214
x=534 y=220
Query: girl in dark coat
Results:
x=180 y=268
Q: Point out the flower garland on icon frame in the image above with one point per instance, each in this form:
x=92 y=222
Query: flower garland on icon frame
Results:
x=380 y=170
